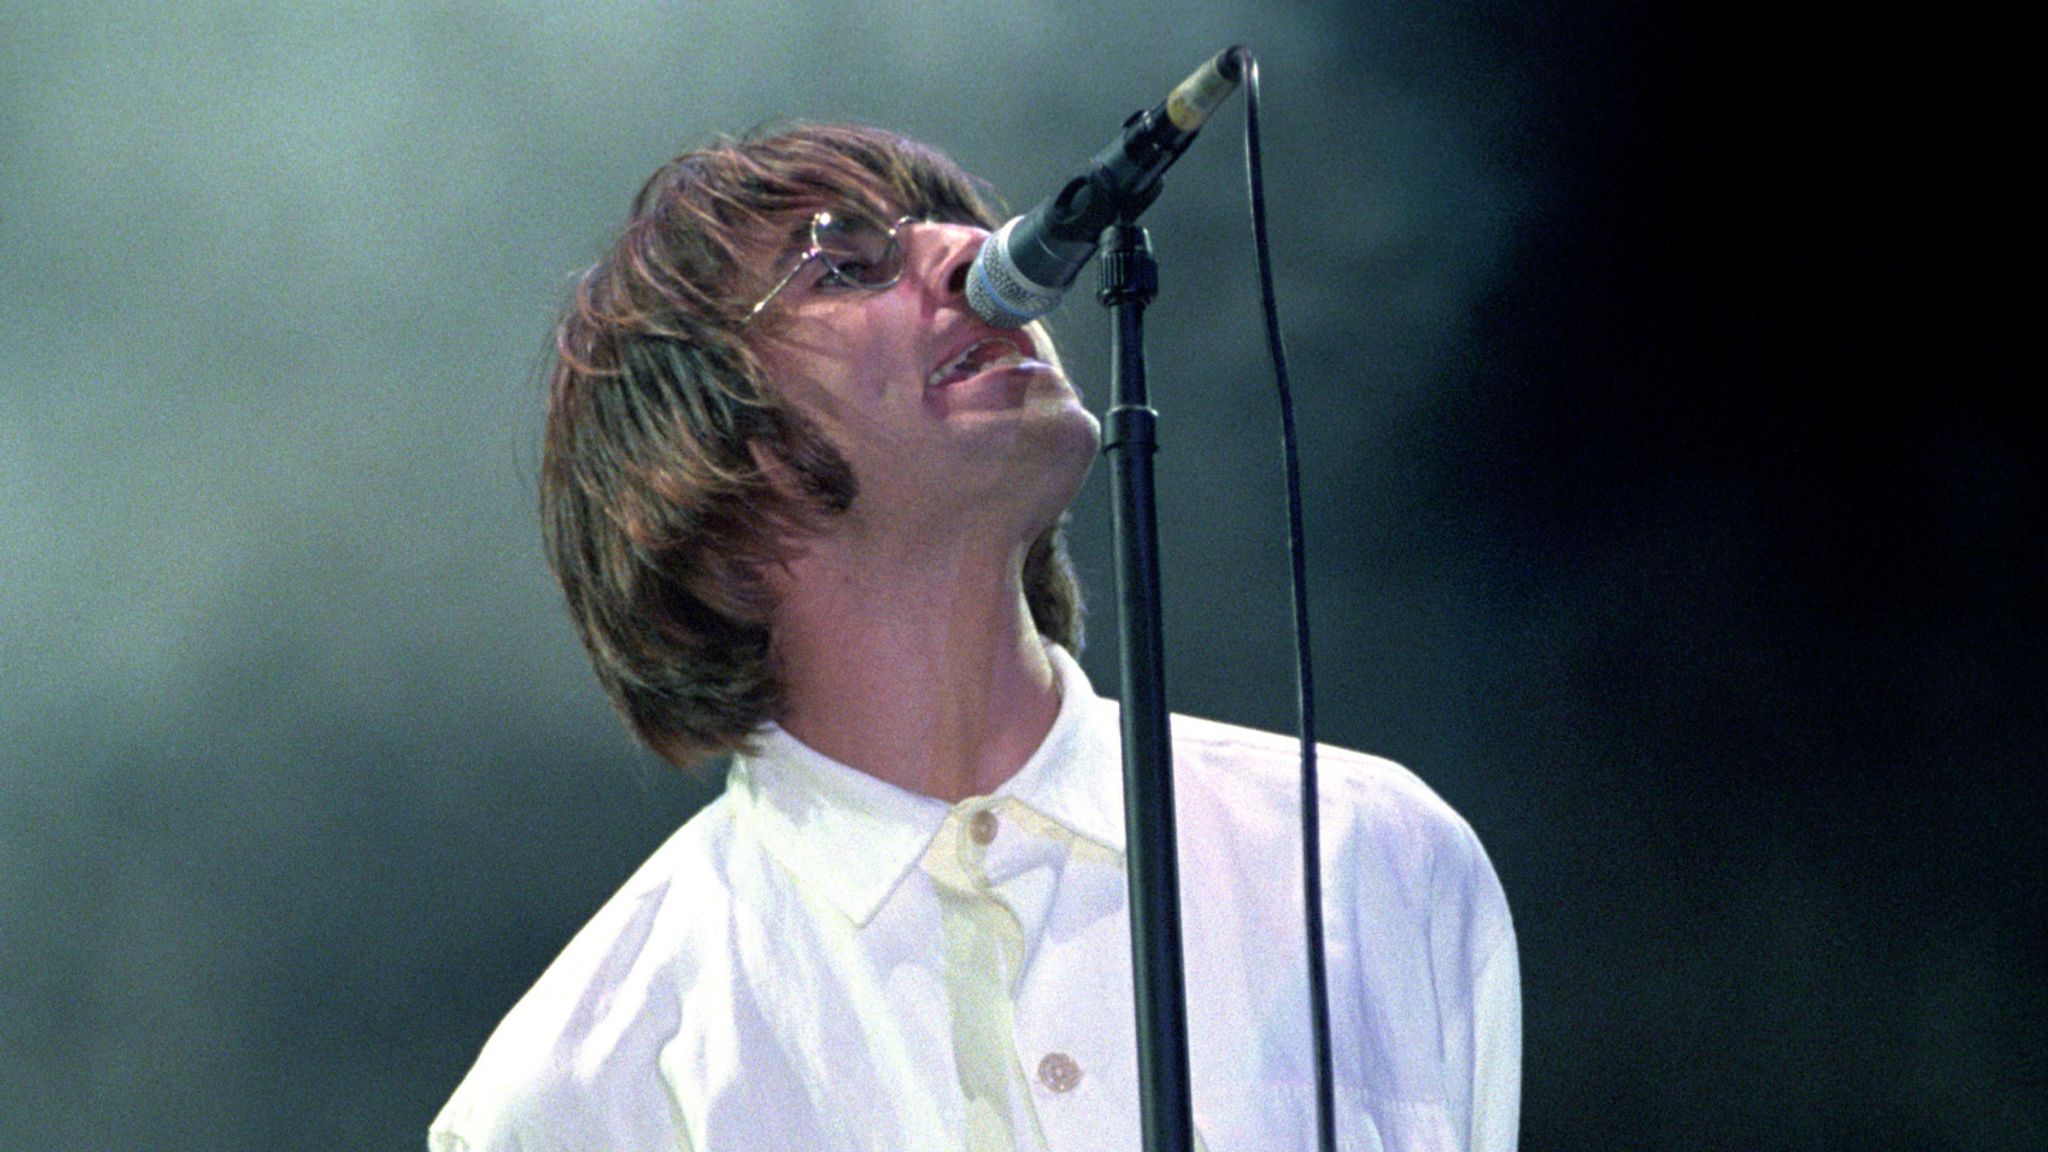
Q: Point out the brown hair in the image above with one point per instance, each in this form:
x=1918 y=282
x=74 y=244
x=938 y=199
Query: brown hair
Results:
x=655 y=515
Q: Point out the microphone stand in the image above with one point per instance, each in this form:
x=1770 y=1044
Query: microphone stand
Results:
x=1130 y=280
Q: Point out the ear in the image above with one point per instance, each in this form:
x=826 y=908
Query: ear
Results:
x=777 y=471
x=790 y=539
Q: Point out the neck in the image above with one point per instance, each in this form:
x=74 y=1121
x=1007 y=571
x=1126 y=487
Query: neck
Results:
x=921 y=669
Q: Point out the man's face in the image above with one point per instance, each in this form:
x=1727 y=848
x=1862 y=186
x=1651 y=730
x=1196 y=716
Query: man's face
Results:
x=946 y=421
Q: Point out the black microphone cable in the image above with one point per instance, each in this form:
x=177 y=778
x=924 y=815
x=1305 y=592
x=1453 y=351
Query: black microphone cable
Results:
x=1304 y=673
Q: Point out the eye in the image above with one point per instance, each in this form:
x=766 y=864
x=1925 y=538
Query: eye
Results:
x=849 y=272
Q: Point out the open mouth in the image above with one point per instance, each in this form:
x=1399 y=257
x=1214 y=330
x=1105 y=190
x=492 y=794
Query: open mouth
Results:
x=978 y=357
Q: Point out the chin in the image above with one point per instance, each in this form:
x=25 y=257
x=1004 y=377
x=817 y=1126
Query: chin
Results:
x=1066 y=452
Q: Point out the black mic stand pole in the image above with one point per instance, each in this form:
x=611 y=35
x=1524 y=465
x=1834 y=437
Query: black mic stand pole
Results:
x=1130 y=279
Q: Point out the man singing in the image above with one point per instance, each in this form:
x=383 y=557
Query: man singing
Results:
x=805 y=506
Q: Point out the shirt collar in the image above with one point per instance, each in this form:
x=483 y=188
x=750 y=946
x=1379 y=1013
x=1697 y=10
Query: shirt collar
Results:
x=1076 y=777
x=853 y=838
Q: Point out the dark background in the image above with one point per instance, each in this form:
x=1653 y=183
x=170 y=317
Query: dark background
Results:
x=1672 y=507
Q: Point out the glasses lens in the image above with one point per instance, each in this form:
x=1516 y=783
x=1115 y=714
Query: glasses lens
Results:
x=859 y=251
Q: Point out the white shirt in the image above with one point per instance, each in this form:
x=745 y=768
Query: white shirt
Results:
x=820 y=960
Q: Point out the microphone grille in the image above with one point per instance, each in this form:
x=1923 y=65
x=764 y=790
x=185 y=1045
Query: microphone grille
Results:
x=998 y=292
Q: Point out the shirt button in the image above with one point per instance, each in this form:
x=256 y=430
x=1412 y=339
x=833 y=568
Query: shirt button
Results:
x=1059 y=1072
x=982 y=827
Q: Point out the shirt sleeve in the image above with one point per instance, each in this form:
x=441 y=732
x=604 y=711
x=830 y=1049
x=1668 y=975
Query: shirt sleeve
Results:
x=1479 y=985
x=1497 y=1050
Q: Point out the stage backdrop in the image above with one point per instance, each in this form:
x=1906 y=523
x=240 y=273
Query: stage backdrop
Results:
x=1672 y=513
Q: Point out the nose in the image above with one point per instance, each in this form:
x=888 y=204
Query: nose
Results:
x=938 y=257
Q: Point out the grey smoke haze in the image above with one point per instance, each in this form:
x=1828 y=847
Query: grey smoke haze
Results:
x=278 y=284
x=302 y=774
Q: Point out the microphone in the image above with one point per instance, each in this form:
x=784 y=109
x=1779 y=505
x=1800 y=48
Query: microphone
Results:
x=1030 y=262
